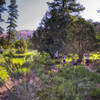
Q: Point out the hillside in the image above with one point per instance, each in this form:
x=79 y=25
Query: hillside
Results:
x=21 y=34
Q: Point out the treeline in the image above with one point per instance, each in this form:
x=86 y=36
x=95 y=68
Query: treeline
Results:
x=63 y=29
x=11 y=21
x=10 y=41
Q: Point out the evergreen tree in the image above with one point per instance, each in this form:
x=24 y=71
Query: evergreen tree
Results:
x=12 y=19
x=55 y=23
x=2 y=9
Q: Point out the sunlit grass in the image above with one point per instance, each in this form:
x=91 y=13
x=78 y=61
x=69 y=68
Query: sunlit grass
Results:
x=3 y=73
x=72 y=56
x=2 y=60
x=97 y=36
x=94 y=56
x=27 y=53
x=20 y=61
x=68 y=59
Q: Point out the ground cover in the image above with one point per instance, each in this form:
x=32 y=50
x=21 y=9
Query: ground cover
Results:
x=19 y=59
x=59 y=82
x=42 y=60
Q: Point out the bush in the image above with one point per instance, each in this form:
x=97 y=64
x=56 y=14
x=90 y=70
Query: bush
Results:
x=20 y=50
x=95 y=94
x=14 y=70
x=21 y=46
x=68 y=84
x=26 y=88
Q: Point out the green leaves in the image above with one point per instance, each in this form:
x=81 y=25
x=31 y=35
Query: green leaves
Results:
x=69 y=84
x=55 y=24
x=81 y=35
x=21 y=46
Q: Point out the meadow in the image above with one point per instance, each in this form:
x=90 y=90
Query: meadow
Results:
x=16 y=59
x=57 y=82
x=28 y=57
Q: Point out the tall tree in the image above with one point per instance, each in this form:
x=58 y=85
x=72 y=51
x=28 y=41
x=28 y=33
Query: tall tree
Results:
x=81 y=36
x=2 y=9
x=55 y=23
x=12 y=19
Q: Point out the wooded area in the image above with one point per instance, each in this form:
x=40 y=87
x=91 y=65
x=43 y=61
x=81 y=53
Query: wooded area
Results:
x=61 y=61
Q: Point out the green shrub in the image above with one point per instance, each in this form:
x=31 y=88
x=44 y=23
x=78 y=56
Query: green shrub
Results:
x=14 y=70
x=95 y=94
x=23 y=91
x=21 y=46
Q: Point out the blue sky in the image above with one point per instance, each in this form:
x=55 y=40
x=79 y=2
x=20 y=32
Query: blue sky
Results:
x=32 y=11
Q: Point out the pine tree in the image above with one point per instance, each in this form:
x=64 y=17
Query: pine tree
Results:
x=55 y=23
x=12 y=19
x=2 y=9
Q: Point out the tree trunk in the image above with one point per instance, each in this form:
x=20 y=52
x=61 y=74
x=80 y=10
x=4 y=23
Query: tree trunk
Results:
x=52 y=55
x=80 y=57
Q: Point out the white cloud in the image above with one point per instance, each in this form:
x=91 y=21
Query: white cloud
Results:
x=91 y=7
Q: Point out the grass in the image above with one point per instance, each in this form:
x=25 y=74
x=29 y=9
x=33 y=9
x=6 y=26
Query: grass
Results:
x=27 y=53
x=21 y=61
x=3 y=73
x=2 y=60
x=70 y=82
x=93 y=56
x=19 y=58
x=70 y=79
x=98 y=37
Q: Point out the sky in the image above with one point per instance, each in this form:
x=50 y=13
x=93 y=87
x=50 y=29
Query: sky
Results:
x=32 y=11
x=91 y=7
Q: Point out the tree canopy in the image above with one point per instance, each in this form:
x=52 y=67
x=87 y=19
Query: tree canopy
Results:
x=81 y=36
x=55 y=23
x=12 y=19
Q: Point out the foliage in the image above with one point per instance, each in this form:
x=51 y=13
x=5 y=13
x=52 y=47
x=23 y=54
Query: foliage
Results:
x=14 y=70
x=2 y=9
x=95 y=94
x=81 y=35
x=69 y=84
x=26 y=88
x=21 y=46
x=52 y=30
x=24 y=91
x=13 y=14
x=3 y=43
x=21 y=60
x=3 y=73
